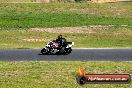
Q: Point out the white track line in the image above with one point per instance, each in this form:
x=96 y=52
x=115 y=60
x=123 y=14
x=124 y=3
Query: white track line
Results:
x=102 y=48
x=90 y=48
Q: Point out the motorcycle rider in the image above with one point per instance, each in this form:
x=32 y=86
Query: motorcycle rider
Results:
x=62 y=42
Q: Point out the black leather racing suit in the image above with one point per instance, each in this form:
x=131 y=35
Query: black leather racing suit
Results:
x=62 y=42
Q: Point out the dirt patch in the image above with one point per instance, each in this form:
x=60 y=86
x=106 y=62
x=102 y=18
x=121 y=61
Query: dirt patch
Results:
x=85 y=29
x=92 y=29
x=103 y=1
x=35 y=40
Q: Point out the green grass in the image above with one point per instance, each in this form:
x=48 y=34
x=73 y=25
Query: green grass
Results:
x=16 y=20
x=15 y=1
x=32 y=74
x=100 y=37
x=30 y=15
x=58 y=20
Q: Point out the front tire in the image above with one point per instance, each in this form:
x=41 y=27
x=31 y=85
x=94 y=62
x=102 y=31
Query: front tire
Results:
x=44 y=51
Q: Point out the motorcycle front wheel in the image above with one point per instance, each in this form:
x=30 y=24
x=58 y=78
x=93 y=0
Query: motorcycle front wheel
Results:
x=44 y=51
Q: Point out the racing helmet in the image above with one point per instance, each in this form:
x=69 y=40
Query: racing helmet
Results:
x=59 y=36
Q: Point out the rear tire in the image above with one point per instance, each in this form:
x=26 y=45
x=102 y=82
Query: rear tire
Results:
x=68 y=51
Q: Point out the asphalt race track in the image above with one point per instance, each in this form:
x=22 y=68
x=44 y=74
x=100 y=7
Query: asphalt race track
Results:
x=76 y=55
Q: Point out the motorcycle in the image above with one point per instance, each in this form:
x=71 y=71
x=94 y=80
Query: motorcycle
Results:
x=53 y=48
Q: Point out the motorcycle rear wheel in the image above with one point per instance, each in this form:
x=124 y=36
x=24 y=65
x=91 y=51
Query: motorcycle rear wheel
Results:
x=68 y=51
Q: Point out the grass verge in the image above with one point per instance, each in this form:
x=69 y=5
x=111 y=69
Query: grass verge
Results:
x=30 y=15
x=84 y=37
x=17 y=19
x=36 y=74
